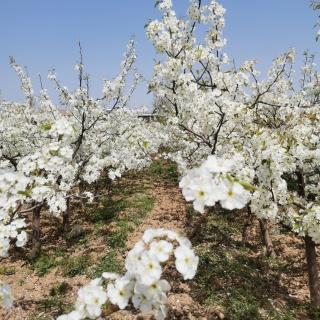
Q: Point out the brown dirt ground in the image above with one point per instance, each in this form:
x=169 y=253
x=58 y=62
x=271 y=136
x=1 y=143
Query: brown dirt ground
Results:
x=170 y=211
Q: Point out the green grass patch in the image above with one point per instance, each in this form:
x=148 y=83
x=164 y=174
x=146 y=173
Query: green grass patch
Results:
x=55 y=304
x=139 y=207
x=7 y=271
x=59 y=289
x=240 y=304
x=164 y=169
x=143 y=204
x=75 y=265
x=118 y=238
x=43 y=264
x=109 y=263
x=108 y=211
x=156 y=168
x=172 y=172
x=234 y=277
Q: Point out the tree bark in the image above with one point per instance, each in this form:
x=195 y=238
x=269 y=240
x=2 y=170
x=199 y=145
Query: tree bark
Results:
x=247 y=224
x=66 y=216
x=313 y=274
x=197 y=226
x=311 y=253
x=266 y=237
x=82 y=200
x=36 y=243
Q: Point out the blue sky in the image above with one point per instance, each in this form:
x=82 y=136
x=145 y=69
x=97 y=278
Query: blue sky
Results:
x=43 y=34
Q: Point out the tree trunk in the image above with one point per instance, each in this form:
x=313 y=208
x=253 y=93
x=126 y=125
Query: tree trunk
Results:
x=266 y=237
x=247 y=224
x=311 y=253
x=82 y=200
x=96 y=188
x=66 y=216
x=313 y=273
x=36 y=244
x=198 y=224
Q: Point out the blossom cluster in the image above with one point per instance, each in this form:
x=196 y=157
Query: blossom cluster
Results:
x=12 y=187
x=210 y=183
x=142 y=283
x=5 y=296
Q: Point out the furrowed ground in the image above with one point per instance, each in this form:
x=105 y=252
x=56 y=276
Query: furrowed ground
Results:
x=234 y=281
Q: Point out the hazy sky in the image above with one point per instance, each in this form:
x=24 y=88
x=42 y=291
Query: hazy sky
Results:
x=43 y=34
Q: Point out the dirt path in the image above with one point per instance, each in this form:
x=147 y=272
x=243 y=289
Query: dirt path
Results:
x=169 y=212
x=29 y=297
x=29 y=289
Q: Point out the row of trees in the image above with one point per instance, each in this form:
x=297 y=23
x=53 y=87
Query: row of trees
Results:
x=237 y=139
x=49 y=152
x=269 y=127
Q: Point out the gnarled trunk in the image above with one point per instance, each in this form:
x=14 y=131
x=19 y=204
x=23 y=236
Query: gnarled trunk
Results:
x=36 y=243
x=266 y=237
x=66 y=216
x=311 y=253
x=198 y=224
x=247 y=224
x=314 y=285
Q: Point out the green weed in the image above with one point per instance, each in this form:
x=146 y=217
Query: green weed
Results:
x=74 y=266
x=43 y=264
x=109 y=263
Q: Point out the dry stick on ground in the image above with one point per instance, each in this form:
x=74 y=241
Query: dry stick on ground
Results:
x=311 y=253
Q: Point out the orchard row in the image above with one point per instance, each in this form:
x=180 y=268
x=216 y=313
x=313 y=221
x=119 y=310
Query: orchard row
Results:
x=239 y=140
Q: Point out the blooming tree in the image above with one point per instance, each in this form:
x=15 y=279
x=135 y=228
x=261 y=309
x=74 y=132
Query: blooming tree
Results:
x=47 y=151
x=271 y=126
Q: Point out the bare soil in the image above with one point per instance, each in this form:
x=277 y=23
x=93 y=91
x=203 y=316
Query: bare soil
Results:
x=283 y=280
